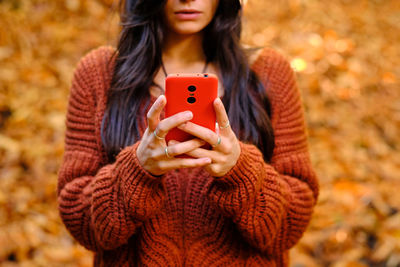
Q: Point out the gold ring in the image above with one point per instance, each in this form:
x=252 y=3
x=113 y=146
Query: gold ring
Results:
x=218 y=142
x=226 y=126
x=166 y=153
x=156 y=136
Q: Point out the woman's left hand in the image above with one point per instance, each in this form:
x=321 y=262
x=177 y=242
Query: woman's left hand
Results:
x=225 y=146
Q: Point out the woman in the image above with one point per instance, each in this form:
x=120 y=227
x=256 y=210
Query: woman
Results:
x=125 y=195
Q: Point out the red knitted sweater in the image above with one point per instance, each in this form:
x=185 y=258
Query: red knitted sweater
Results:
x=251 y=216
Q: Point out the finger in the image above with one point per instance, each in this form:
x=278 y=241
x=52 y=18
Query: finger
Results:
x=179 y=163
x=222 y=117
x=172 y=142
x=178 y=148
x=200 y=132
x=175 y=148
x=169 y=123
x=153 y=115
x=204 y=153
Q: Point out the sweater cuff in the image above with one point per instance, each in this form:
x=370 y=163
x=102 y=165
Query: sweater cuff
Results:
x=143 y=192
x=128 y=154
x=247 y=168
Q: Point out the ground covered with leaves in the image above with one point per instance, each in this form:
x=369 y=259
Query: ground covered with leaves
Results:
x=346 y=57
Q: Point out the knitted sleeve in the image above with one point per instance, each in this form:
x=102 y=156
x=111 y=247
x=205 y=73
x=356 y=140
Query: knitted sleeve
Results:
x=101 y=206
x=272 y=204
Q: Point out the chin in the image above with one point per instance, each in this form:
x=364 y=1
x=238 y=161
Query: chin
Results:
x=187 y=32
x=188 y=29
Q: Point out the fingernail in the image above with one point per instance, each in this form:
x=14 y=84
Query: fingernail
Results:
x=188 y=115
x=207 y=160
x=172 y=142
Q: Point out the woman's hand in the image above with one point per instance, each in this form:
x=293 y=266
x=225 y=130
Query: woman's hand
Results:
x=225 y=146
x=153 y=154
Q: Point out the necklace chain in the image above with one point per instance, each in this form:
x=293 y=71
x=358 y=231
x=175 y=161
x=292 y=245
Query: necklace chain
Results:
x=166 y=74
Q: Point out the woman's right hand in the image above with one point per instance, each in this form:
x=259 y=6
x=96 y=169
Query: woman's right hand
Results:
x=152 y=153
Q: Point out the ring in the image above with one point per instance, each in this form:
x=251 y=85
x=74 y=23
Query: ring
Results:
x=218 y=142
x=226 y=126
x=166 y=153
x=156 y=136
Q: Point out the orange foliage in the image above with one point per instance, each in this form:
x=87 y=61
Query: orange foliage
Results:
x=346 y=57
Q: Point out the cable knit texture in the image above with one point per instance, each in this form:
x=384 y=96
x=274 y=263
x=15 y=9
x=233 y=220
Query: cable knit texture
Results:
x=251 y=216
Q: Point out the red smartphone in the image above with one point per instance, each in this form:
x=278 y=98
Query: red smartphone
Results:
x=195 y=92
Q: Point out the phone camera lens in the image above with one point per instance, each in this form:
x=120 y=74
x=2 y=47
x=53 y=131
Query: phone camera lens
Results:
x=192 y=88
x=205 y=75
x=191 y=100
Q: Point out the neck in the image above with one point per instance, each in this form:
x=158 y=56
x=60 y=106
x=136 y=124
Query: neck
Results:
x=186 y=49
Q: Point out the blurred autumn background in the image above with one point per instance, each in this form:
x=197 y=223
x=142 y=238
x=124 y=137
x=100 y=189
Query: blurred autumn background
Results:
x=346 y=57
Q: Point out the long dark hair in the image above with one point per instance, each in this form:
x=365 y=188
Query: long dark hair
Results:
x=138 y=58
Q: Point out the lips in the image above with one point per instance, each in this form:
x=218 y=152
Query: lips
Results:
x=188 y=14
x=187 y=11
